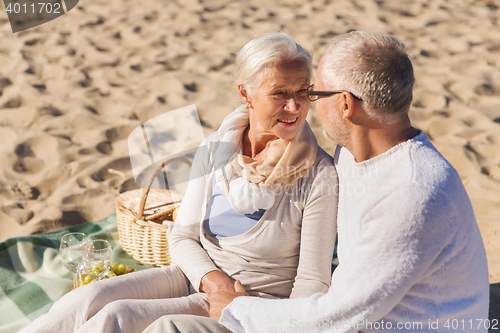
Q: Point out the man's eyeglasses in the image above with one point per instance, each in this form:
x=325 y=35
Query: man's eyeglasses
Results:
x=314 y=95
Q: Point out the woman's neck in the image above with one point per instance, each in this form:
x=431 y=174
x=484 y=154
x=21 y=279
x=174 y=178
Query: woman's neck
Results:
x=255 y=145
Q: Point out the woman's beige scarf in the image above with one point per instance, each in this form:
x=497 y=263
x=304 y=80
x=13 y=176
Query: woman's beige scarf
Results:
x=251 y=185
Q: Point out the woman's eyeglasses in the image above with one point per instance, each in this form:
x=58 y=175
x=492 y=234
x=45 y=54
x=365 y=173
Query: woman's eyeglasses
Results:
x=314 y=95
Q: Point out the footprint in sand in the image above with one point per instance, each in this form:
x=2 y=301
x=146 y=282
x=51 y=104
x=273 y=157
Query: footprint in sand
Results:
x=119 y=133
x=121 y=165
x=28 y=164
x=24 y=191
x=18 y=213
x=128 y=185
x=105 y=147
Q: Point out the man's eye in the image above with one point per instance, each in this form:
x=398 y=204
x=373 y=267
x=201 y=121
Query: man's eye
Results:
x=278 y=93
x=302 y=92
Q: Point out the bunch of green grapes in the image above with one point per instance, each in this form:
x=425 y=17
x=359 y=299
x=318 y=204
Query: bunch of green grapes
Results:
x=115 y=271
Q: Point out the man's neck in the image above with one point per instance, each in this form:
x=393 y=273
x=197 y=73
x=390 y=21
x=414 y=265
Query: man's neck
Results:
x=368 y=142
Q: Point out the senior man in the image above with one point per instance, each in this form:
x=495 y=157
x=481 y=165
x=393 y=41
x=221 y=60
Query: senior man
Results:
x=411 y=255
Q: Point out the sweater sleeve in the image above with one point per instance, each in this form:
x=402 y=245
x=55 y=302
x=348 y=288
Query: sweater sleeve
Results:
x=405 y=236
x=184 y=241
x=318 y=232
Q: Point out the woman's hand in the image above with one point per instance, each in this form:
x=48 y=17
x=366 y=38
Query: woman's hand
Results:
x=215 y=281
x=219 y=300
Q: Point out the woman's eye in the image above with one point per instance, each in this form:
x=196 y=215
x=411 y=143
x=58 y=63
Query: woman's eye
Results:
x=277 y=93
x=302 y=92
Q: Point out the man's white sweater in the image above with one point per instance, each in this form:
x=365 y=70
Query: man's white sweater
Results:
x=411 y=255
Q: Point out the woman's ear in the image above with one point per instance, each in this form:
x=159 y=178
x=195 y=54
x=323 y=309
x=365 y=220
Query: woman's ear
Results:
x=244 y=95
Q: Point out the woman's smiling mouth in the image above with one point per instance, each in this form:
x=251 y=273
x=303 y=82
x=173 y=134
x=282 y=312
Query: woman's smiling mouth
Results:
x=288 y=120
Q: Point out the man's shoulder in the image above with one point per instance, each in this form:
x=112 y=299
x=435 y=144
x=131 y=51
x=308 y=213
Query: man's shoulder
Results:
x=413 y=161
x=415 y=165
x=432 y=178
x=430 y=168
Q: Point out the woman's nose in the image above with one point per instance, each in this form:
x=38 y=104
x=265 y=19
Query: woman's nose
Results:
x=292 y=104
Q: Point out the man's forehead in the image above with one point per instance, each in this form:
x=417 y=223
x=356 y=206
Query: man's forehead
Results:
x=319 y=78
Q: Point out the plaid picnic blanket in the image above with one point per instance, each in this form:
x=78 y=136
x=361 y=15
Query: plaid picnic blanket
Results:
x=32 y=276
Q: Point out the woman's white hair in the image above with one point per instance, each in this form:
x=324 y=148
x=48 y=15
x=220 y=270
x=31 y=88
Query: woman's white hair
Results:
x=266 y=51
x=375 y=68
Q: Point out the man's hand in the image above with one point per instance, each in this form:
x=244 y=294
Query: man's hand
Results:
x=219 y=300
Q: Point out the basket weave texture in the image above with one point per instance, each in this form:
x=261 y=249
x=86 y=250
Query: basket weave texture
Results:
x=142 y=234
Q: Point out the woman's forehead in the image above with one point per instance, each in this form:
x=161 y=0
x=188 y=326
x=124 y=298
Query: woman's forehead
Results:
x=285 y=75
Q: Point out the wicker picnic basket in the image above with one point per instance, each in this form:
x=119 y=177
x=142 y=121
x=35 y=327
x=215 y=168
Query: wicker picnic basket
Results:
x=140 y=215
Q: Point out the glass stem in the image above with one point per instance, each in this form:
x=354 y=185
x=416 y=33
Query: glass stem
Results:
x=75 y=278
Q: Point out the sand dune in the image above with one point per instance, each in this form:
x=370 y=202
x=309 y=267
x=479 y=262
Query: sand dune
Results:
x=73 y=89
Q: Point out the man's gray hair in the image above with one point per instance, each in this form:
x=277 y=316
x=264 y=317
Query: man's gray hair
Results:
x=375 y=68
x=266 y=51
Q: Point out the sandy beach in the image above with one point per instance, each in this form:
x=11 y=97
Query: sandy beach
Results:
x=73 y=89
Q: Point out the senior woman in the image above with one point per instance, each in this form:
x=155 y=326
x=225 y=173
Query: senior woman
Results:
x=264 y=216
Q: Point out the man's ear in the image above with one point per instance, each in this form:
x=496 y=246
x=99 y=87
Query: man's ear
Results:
x=244 y=95
x=347 y=105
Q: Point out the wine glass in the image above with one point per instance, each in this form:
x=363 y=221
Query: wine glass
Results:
x=98 y=258
x=71 y=252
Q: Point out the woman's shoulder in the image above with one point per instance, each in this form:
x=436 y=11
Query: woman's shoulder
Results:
x=323 y=158
x=212 y=137
x=320 y=178
x=323 y=169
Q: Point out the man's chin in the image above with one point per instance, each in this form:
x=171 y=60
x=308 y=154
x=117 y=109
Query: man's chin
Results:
x=331 y=138
x=327 y=136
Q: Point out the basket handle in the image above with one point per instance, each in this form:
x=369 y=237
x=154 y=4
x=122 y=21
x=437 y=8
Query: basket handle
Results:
x=145 y=193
